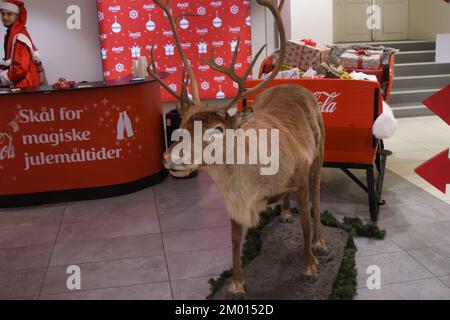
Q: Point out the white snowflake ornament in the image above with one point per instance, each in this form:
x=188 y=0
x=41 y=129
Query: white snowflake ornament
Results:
x=134 y=14
x=120 y=67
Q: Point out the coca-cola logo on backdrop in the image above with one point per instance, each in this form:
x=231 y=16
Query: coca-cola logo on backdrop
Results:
x=129 y=29
x=7 y=150
x=6 y=146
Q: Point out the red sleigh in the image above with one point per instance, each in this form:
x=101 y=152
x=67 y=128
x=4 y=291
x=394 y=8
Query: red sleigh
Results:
x=349 y=108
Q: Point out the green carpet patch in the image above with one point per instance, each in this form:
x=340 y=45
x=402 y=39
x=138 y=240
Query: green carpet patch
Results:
x=345 y=284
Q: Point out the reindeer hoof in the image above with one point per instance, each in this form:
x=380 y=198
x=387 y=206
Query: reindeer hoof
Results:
x=236 y=291
x=310 y=271
x=286 y=217
x=236 y=296
x=285 y=221
x=311 y=278
x=320 y=247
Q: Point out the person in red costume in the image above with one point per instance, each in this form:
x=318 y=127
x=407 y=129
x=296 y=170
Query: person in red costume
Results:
x=18 y=69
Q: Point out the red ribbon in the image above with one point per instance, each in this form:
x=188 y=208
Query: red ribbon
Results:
x=361 y=53
x=64 y=84
x=309 y=42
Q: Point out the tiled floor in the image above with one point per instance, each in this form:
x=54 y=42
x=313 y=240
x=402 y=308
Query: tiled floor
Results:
x=417 y=140
x=166 y=242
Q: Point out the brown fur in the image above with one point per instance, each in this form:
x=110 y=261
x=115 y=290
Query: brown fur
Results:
x=295 y=112
x=292 y=110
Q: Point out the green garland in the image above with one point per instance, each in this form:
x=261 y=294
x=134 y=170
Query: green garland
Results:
x=344 y=286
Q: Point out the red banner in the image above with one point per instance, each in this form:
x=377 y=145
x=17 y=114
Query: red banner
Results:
x=128 y=30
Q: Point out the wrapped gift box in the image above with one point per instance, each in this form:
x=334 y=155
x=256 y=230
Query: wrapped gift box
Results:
x=294 y=73
x=304 y=56
x=379 y=73
x=362 y=59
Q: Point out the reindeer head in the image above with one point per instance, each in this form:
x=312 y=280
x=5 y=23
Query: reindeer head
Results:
x=214 y=120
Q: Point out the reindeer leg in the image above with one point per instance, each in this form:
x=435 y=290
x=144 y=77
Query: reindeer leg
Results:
x=237 y=287
x=309 y=261
x=318 y=241
x=286 y=214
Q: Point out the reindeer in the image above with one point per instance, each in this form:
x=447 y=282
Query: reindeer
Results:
x=292 y=110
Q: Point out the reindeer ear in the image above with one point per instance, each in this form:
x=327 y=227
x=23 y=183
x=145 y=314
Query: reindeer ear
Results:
x=222 y=113
x=240 y=118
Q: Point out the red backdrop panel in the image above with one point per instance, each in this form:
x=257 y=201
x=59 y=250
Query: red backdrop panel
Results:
x=128 y=29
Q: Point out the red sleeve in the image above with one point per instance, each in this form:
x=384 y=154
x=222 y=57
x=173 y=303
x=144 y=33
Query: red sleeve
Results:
x=21 y=62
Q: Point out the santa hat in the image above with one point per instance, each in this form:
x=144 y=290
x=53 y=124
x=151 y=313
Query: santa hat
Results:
x=20 y=25
x=11 y=5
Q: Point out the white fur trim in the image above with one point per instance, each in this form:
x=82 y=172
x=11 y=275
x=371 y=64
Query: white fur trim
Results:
x=24 y=39
x=35 y=55
x=386 y=124
x=4 y=78
x=10 y=7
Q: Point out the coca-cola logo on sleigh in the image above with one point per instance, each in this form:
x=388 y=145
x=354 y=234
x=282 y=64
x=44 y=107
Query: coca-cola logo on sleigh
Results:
x=327 y=101
x=218 y=25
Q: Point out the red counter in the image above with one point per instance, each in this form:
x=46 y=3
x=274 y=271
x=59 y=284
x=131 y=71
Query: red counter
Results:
x=79 y=144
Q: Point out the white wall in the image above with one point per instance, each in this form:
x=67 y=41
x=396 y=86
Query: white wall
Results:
x=73 y=54
x=428 y=18
x=311 y=19
x=314 y=19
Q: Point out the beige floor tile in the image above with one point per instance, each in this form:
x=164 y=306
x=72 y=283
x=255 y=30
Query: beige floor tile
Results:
x=404 y=146
x=436 y=151
x=438 y=194
x=412 y=156
x=406 y=168
x=434 y=143
x=425 y=136
x=417 y=180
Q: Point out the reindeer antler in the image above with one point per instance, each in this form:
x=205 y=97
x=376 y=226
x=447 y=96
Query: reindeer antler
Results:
x=188 y=73
x=241 y=81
